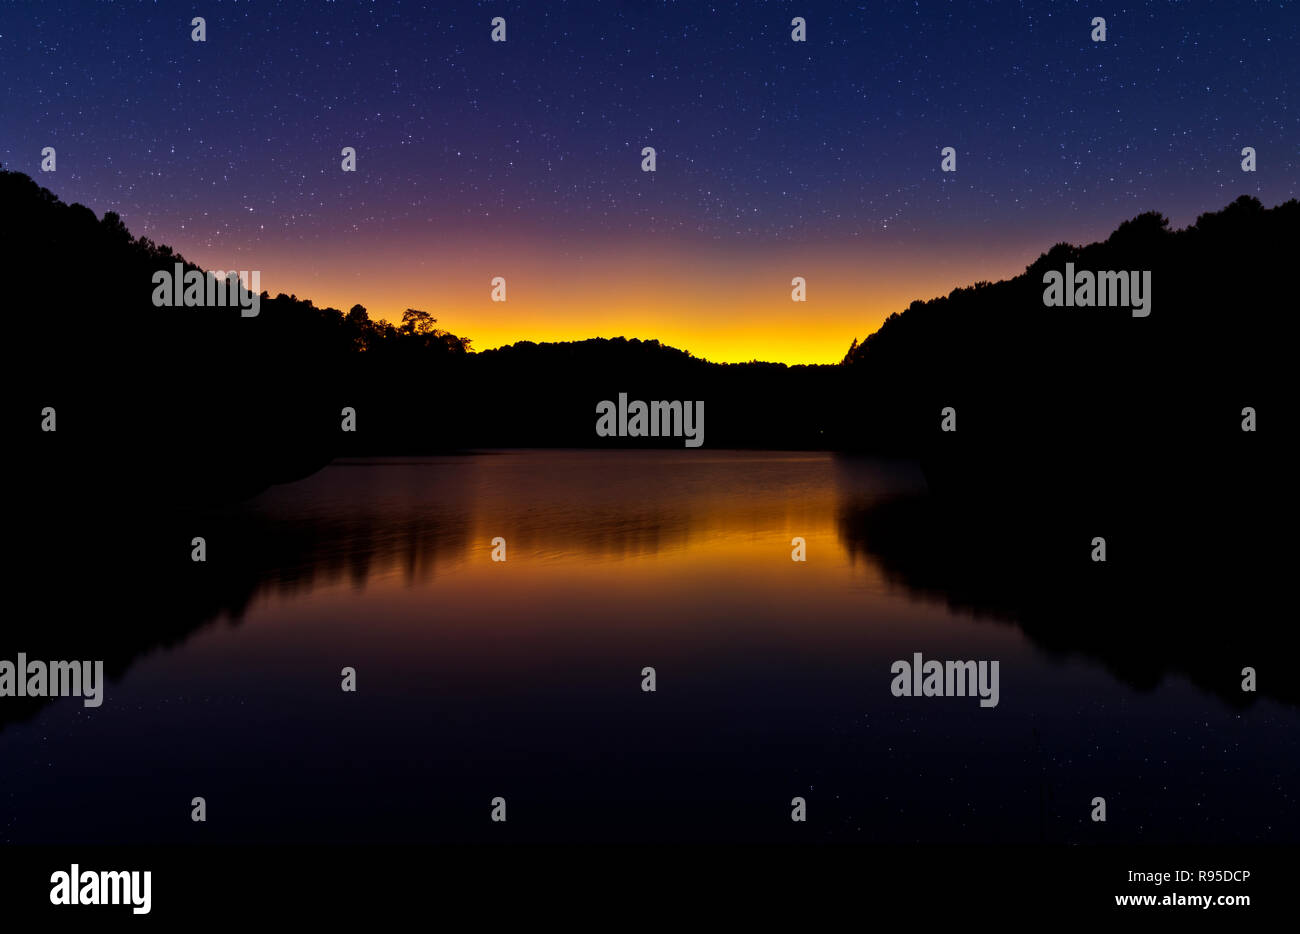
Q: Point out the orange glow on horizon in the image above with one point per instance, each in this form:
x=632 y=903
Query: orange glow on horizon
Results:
x=725 y=303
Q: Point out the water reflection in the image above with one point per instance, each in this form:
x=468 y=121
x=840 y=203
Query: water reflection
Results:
x=398 y=521
x=1154 y=609
x=774 y=674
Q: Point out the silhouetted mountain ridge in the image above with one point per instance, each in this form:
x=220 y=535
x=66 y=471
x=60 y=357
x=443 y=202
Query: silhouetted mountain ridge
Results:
x=201 y=403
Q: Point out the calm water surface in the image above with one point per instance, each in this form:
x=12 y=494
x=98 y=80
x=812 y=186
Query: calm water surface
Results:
x=522 y=679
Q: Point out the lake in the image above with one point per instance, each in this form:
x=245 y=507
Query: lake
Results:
x=522 y=679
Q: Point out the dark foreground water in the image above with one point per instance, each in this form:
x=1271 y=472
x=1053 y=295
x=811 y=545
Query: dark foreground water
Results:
x=522 y=679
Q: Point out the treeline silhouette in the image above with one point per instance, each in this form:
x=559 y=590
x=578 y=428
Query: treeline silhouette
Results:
x=1082 y=392
x=202 y=403
x=205 y=403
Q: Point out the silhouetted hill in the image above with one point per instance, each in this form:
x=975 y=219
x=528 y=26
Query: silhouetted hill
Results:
x=539 y=395
x=201 y=403
x=1047 y=393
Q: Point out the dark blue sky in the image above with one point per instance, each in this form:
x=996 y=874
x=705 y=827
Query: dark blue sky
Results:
x=233 y=144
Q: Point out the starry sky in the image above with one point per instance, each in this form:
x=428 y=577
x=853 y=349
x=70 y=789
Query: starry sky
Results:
x=522 y=159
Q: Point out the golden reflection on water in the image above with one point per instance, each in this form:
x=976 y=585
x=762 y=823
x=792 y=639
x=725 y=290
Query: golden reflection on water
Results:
x=680 y=553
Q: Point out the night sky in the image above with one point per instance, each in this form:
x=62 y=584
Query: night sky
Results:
x=522 y=159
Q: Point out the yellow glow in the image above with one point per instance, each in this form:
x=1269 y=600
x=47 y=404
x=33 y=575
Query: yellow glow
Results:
x=723 y=303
